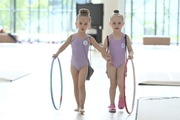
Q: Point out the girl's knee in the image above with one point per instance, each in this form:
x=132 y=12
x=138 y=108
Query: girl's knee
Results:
x=113 y=86
x=81 y=86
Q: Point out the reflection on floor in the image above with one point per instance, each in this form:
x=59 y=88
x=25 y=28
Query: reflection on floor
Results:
x=29 y=97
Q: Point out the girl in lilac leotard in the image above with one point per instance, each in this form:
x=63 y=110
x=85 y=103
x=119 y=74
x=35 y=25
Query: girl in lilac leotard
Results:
x=79 y=58
x=80 y=41
x=117 y=51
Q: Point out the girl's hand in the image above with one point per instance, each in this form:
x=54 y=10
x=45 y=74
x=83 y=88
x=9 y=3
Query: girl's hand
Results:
x=55 y=56
x=130 y=56
x=108 y=56
x=108 y=60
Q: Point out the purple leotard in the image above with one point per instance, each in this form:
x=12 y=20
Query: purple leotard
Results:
x=79 y=54
x=117 y=51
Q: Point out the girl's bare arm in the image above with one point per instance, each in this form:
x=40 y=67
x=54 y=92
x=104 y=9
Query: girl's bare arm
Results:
x=98 y=47
x=63 y=46
x=105 y=45
x=129 y=47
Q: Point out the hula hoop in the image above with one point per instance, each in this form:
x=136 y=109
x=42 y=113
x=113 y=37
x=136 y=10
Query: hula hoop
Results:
x=61 y=84
x=134 y=85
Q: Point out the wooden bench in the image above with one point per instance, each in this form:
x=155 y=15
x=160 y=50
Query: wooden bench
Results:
x=5 y=38
x=156 y=40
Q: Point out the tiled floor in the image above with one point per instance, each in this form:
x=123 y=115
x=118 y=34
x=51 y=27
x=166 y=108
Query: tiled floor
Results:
x=29 y=97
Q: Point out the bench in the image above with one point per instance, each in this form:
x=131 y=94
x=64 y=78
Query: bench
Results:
x=5 y=38
x=156 y=40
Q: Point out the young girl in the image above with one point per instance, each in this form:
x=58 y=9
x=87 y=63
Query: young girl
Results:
x=115 y=43
x=79 y=64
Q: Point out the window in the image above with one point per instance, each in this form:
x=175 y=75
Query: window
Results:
x=152 y=17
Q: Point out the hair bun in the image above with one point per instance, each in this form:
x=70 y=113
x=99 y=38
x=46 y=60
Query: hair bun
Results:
x=116 y=11
x=84 y=11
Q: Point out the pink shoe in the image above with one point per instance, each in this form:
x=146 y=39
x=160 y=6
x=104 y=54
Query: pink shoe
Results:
x=121 y=103
x=112 y=109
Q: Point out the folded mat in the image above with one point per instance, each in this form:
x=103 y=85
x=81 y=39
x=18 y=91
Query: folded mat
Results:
x=158 y=108
x=9 y=76
x=160 y=78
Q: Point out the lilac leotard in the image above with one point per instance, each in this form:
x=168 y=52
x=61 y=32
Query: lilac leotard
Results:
x=79 y=54
x=117 y=51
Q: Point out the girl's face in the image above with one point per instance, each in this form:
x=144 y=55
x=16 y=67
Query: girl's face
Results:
x=82 y=23
x=116 y=23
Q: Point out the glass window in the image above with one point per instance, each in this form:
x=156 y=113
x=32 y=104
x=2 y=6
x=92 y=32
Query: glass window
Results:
x=152 y=17
x=39 y=20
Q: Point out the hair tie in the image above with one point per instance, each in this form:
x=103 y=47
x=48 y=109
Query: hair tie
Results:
x=116 y=11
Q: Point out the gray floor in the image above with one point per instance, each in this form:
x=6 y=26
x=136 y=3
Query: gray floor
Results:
x=29 y=97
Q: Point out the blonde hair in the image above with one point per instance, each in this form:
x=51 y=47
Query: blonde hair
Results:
x=116 y=13
x=84 y=12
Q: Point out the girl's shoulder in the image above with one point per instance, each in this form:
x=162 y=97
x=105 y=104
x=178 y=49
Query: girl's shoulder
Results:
x=109 y=35
x=90 y=37
x=126 y=35
x=72 y=36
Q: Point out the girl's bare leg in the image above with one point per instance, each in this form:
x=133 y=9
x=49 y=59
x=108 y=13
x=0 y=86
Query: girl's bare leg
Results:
x=120 y=77
x=75 y=73
x=81 y=85
x=113 y=83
